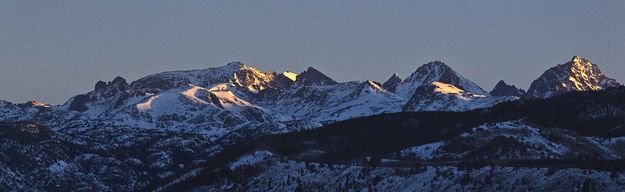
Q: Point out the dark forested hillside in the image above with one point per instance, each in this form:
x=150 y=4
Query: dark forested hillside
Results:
x=591 y=113
x=599 y=113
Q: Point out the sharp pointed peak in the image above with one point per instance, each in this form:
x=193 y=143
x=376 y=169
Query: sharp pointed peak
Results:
x=577 y=58
x=392 y=82
x=578 y=61
x=504 y=89
x=312 y=69
x=313 y=76
x=394 y=78
x=502 y=82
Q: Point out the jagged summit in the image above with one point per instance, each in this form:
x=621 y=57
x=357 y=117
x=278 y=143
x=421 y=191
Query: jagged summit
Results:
x=233 y=72
x=235 y=64
x=284 y=80
x=392 y=83
x=579 y=74
x=100 y=85
x=504 y=89
x=118 y=81
x=313 y=76
x=104 y=92
x=436 y=71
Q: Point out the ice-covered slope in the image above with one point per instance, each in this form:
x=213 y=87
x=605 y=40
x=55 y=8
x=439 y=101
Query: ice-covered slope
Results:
x=579 y=74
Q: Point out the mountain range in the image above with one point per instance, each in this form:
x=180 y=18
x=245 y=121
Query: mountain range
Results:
x=129 y=136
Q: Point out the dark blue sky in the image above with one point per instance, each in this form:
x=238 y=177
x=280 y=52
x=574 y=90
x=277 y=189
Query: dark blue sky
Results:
x=52 y=50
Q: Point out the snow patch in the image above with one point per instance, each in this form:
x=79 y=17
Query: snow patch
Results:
x=292 y=76
x=58 y=167
x=146 y=105
x=250 y=159
x=446 y=88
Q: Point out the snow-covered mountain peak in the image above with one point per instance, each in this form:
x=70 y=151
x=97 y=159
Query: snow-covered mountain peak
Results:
x=252 y=79
x=313 y=76
x=235 y=72
x=439 y=96
x=579 y=74
x=435 y=71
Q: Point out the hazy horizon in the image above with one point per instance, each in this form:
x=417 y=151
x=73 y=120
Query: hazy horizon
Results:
x=51 y=51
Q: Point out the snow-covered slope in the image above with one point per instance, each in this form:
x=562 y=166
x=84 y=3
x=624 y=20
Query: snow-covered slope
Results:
x=579 y=74
x=440 y=96
x=330 y=103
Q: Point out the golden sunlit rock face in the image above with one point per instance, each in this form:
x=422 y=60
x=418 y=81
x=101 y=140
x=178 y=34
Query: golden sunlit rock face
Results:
x=579 y=74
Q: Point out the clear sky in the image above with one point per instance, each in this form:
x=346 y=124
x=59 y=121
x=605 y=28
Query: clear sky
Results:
x=52 y=50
